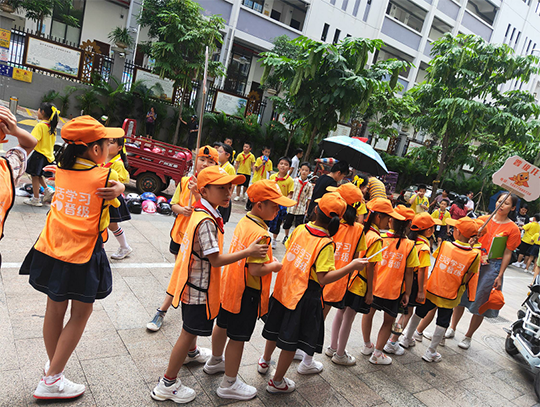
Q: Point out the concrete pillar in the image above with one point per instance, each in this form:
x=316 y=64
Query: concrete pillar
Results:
x=6 y=21
x=119 y=61
x=133 y=26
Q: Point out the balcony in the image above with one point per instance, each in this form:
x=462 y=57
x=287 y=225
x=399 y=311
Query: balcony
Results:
x=476 y=25
x=291 y=13
x=407 y=13
x=217 y=7
x=483 y=10
x=449 y=8
x=401 y=33
x=262 y=27
x=438 y=29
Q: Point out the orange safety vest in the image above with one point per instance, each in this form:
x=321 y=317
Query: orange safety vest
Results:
x=346 y=240
x=389 y=276
x=235 y=275
x=7 y=192
x=72 y=226
x=371 y=237
x=450 y=270
x=421 y=246
x=181 y=221
x=180 y=277
x=293 y=279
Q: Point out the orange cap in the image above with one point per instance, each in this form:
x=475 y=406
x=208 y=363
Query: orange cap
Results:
x=84 y=130
x=209 y=152
x=332 y=202
x=467 y=226
x=383 y=205
x=268 y=190
x=424 y=221
x=215 y=175
x=350 y=192
x=407 y=213
x=495 y=301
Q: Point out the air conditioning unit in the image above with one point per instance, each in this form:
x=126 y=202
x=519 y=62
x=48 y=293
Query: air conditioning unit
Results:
x=393 y=11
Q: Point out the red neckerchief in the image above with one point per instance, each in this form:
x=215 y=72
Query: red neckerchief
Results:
x=117 y=158
x=282 y=179
x=244 y=157
x=388 y=234
x=263 y=164
x=464 y=246
x=219 y=221
x=375 y=230
x=303 y=183
x=441 y=215
x=316 y=232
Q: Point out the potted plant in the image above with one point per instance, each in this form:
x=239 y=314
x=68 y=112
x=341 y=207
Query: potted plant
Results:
x=120 y=36
x=9 y=6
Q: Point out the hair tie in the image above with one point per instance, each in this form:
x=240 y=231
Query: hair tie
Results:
x=54 y=112
x=78 y=142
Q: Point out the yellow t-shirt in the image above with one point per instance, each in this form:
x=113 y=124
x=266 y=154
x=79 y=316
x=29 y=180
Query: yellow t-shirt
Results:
x=118 y=165
x=412 y=259
x=176 y=197
x=530 y=230
x=358 y=286
x=229 y=168
x=444 y=303
x=82 y=164
x=262 y=173
x=286 y=185
x=361 y=210
x=245 y=163
x=252 y=281
x=437 y=215
x=45 y=144
x=423 y=256
x=536 y=238
x=415 y=206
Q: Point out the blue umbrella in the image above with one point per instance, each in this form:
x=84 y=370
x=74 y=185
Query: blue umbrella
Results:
x=358 y=154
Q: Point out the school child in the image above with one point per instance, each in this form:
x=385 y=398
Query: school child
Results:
x=301 y=194
x=68 y=261
x=43 y=155
x=229 y=142
x=419 y=202
x=117 y=160
x=198 y=271
x=295 y=317
x=244 y=166
x=422 y=227
x=262 y=166
x=207 y=156
x=392 y=284
x=456 y=262
x=225 y=152
x=350 y=243
x=533 y=253
x=442 y=231
x=286 y=185
x=527 y=242
x=245 y=289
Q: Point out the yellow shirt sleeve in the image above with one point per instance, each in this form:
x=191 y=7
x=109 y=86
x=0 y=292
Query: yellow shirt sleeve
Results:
x=325 y=262
x=273 y=177
x=424 y=258
x=412 y=260
x=105 y=215
x=374 y=248
x=475 y=266
x=123 y=174
x=436 y=214
x=362 y=247
x=269 y=167
x=290 y=185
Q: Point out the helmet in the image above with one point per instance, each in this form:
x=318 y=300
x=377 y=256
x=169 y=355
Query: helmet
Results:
x=164 y=208
x=462 y=199
x=157 y=150
x=149 y=196
x=131 y=196
x=149 y=206
x=135 y=206
x=28 y=188
x=160 y=199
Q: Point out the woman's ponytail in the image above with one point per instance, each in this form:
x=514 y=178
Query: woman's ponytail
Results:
x=333 y=225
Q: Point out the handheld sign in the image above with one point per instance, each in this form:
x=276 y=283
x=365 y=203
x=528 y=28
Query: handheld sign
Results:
x=519 y=177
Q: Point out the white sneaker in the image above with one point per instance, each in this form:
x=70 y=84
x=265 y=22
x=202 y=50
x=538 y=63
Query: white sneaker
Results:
x=517 y=264
x=406 y=343
x=286 y=386
x=382 y=359
x=330 y=352
x=314 y=368
x=263 y=366
x=33 y=202
x=213 y=369
x=523 y=265
x=417 y=336
x=177 y=392
x=238 y=391
x=465 y=343
x=345 y=360
x=48 y=195
x=450 y=333
x=121 y=253
x=432 y=357
x=61 y=388
x=299 y=354
x=203 y=354
x=237 y=199
x=394 y=348
x=429 y=335
x=367 y=350
x=155 y=324
x=274 y=244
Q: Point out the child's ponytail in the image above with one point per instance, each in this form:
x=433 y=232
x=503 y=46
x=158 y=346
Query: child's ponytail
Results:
x=51 y=114
x=330 y=223
x=350 y=215
x=121 y=143
x=400 y=227
x=70 y=152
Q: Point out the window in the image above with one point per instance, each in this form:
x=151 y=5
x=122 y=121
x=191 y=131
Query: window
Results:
x=61 y=30
x=482 y=9
x=256 y=5
x=336 y=36
x=344 y=5
x=276 y=15
x=366 y=11
x=407 y=13
x=325 y=32
x=355 y=8
x=238 y=70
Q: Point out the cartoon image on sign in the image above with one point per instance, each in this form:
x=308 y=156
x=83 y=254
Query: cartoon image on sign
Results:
x=521 y=180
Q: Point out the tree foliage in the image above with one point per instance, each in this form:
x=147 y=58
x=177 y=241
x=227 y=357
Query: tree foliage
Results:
x=38 y=10
x=326 y=83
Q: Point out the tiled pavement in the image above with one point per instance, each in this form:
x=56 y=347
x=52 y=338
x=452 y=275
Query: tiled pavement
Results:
x=120 y=361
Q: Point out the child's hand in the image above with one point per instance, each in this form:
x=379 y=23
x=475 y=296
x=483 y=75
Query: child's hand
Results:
x=114 y=189
x=360 y=263
x=404 y=300
x=51 y=168
x=9 y=122
x=185 y=211
x=257 y=250
x=192 y=184
x=421 y=297
x=369 y=297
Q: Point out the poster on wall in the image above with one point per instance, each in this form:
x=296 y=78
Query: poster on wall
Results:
x=52 y=57
x=231 y=105
x=5 y=37
x=22 y=75
x=341 y=130
x=160 y=88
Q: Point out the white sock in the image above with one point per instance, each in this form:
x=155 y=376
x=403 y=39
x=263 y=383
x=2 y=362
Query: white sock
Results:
x=51 y=379
x=307 y=360
x=214 y=360
x=228 y=381
x=121 y=237
x=438 y=336
x=411 y=326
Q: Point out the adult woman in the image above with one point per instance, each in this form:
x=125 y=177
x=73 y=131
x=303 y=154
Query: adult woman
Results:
x=458 y=209
x=491 y=270
x=151 y=118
